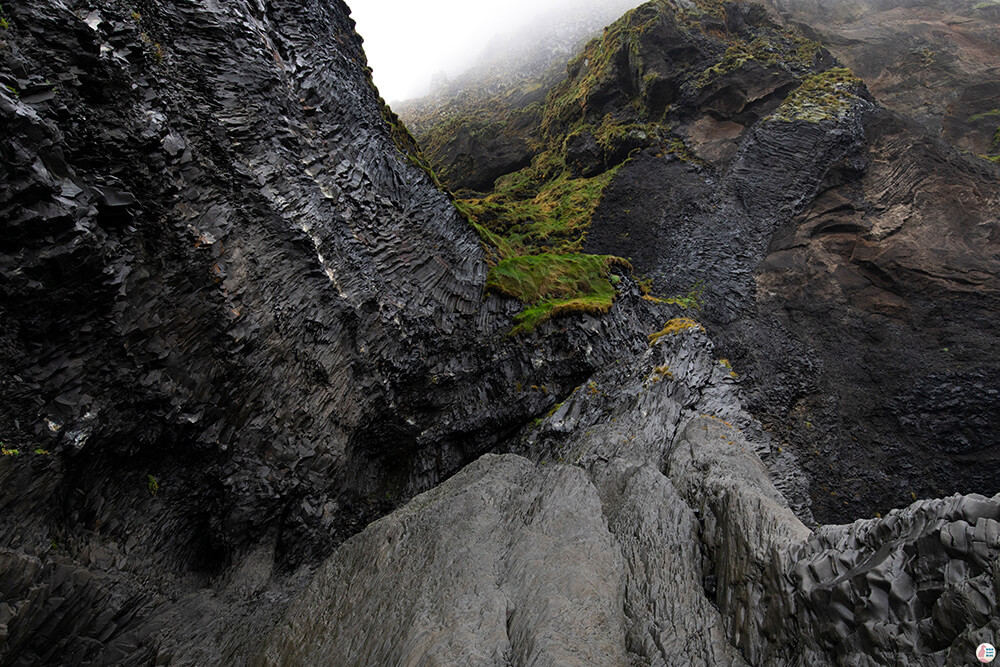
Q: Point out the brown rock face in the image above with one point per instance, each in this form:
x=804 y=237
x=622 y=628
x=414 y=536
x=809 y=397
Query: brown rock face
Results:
x=937 y=61
x=891 y=274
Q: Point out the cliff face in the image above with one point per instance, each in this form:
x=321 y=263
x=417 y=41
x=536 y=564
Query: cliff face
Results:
x=200 y=274
x=937 y=62
x=666 y=543
x=457 y=123
x=239 y=320
x=241 y=323
x=831 y=236
x=826 y=235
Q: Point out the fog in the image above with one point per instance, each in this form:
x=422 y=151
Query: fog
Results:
x=407 y=42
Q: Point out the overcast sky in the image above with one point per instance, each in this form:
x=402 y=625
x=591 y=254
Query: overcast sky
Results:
x=407 y=41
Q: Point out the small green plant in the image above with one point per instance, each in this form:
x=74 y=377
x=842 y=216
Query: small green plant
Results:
x=4 y=23
x=154 y=47
x=42 y=452
x=13 y=91
x=153 y=485
x=10 y=452
x=695 y=297
x=674 y=327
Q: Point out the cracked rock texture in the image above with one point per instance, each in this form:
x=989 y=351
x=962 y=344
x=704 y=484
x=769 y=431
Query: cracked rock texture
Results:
x=256 y=407
x=666 y=513
x=239 y=322
x=937 y=61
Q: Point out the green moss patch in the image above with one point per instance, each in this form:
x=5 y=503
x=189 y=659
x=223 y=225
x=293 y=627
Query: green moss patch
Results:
x=531 y=213
x=553 y=285
x=828 y=95
x=674 y=327
x=782 y=50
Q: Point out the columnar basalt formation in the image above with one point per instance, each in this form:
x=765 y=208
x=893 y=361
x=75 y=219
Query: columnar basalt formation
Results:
x=650 y=501
x=268 y=397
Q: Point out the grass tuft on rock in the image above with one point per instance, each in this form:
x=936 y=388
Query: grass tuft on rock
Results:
x=673 y=327
x=533 y=211
x=553 y=284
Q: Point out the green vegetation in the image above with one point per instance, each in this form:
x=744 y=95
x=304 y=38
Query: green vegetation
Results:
x=823 y=96
x=534 y=225
x=153 y=485
x=154 y=47
x=552 y=285
x=695 y=297
x=783 y=50
x=673 y=327
x=9 y=452
x=535 y=221
x=538 y=209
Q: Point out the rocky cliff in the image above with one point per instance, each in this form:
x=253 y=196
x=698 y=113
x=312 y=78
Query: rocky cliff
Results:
x=823 y=232
x=936 y=61
x=240 y=320
x=242 y=323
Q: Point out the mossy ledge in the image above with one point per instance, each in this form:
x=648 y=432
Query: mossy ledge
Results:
x=829 y=95
x=673 y=327
x=534 y=222
x=552 y=285
x=619 y=98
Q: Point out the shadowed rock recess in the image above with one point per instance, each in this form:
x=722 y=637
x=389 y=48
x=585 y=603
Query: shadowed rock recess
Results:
x=268 y=398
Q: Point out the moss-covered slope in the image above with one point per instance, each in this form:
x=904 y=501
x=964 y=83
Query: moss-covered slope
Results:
x=636 y=88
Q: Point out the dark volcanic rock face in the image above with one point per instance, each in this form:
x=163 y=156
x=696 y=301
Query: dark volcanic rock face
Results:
x=239 y=323
x=850 y=269
x=202 y=273
x=685 y=537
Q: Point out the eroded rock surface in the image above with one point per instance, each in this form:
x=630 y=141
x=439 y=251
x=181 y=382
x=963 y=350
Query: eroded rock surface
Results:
x=667 y=513
x=936 y=61
x=240 y=322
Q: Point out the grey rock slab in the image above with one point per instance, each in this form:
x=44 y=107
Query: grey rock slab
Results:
x=505 y=563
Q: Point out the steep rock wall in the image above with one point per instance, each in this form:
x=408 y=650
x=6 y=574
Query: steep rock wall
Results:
x=240 y=321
